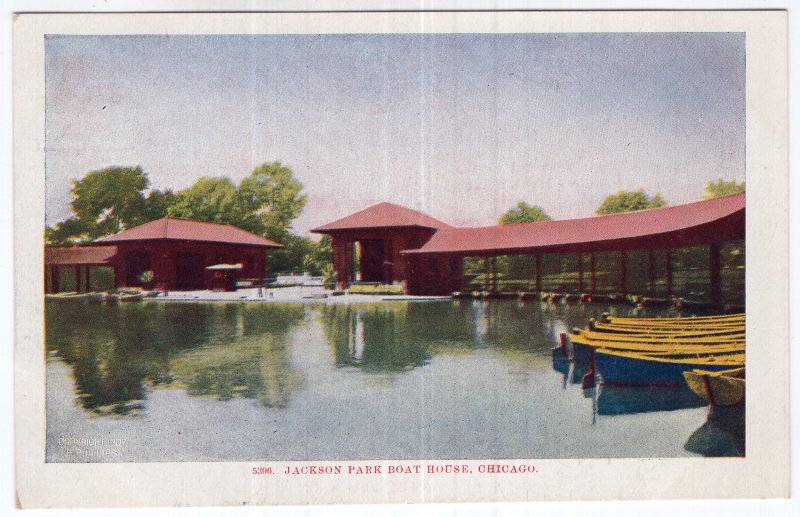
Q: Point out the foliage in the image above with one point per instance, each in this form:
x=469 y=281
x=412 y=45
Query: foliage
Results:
x=376 y=289
x=329 y=277
x=211 y=200
x=524 y=213
x=146 y=277
x=113 y=199
x=722 y=188
x=630 y=201
x=107 y=201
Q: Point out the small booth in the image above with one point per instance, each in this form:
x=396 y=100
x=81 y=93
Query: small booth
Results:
x=223 y=277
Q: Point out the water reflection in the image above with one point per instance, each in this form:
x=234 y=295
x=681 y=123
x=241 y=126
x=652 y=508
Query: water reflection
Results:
x=117 y=352
x=723 y=433
x=625 y=400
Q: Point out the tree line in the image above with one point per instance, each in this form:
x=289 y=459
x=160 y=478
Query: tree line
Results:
x=264 y=203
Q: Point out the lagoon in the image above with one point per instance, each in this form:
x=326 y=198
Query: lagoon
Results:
x=453 y=379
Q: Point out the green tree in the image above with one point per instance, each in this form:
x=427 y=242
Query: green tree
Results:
x=524 y=213
x=109 y=200
x=272 y=199
x=68 y=232
x=630 y=201
x=212 y=200
x=722 y=188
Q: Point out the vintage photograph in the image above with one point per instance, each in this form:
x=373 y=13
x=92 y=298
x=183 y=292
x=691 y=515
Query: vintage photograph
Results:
x=399 y=252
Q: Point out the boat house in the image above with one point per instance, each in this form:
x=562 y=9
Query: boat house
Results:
x=694 y=249
x=181 y=255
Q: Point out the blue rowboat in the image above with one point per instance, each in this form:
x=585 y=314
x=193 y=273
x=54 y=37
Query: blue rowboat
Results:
x=634 y=369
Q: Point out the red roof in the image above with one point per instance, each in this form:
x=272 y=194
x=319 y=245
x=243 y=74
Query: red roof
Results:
x=383 y=215
x=79 y=255
x=598 y=231
x=181 y=229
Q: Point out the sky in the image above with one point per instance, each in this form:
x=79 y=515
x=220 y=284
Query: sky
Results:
x=460 y=126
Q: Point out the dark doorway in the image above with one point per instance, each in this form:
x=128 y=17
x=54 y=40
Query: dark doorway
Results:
x=136 y=262
x=190 y=271
x=372 y=260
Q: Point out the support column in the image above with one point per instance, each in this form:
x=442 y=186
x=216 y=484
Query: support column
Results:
x=485 y=273
x=669 y=272
x=88 y=278
x=715 y=282
x=651 y=272
x=623 y=272
x=54 y=279
x=593 y=278
x=494 y=274
x=580 y=272
x=538 y=268
x=77 y=273
x=339 y=247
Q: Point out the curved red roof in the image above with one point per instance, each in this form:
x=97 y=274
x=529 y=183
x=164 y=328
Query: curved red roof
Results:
x=676 y=225
x=182 y=229
x=383 y=215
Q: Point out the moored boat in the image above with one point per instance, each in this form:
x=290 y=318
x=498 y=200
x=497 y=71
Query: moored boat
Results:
x=626 y=368
x=718 y=388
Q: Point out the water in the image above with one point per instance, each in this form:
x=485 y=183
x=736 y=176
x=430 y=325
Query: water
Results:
x=161 y=381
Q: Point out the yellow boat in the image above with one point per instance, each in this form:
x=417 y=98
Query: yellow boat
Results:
x=690 y=319
x=582 y=347
x=724 y=388
x=675 y=337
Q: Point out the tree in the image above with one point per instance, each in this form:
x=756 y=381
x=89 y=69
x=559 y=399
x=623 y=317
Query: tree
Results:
x=212 y=200
x=109 y=200
x=272 y=198
x=630 y=201
x=722 y=188
x=524 y=213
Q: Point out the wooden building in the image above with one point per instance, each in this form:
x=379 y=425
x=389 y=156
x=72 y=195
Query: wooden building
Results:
x=427 y=255
x=177 y=251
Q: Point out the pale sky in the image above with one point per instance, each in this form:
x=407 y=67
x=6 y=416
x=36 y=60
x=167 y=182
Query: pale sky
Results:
x=461 y=126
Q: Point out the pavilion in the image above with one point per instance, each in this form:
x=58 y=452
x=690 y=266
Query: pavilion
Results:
x=397 y=244
x=177 y=251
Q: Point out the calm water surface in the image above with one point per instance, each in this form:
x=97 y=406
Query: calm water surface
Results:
x=159 y=381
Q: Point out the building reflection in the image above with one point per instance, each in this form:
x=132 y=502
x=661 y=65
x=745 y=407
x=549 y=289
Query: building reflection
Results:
x=117 y=352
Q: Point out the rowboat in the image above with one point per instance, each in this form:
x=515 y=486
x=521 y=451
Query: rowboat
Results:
x=627 y=368
x=670 y=337
x=582 y=345
x=723 y=388
x=689 y=319
x=598 y=326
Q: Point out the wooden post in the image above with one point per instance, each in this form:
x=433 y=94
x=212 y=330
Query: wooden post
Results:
x=485 y=273
x=54 y=279
x=538 y=268
x=88 y=278
x=669 y=272
x=623 y=272
x=77 y=274
x=580 y=272
x=494 y=274
x=593 y=276
x=715 y=283
x=651 y=272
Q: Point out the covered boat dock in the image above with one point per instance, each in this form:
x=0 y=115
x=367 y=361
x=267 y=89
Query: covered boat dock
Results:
x=638 y=250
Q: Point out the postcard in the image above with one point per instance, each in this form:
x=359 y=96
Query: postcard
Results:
x=321 y=258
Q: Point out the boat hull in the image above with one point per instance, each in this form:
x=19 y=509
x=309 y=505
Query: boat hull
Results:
x=632 y=370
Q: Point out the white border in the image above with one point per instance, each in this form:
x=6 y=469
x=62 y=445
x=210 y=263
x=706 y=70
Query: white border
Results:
x=758 y=191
